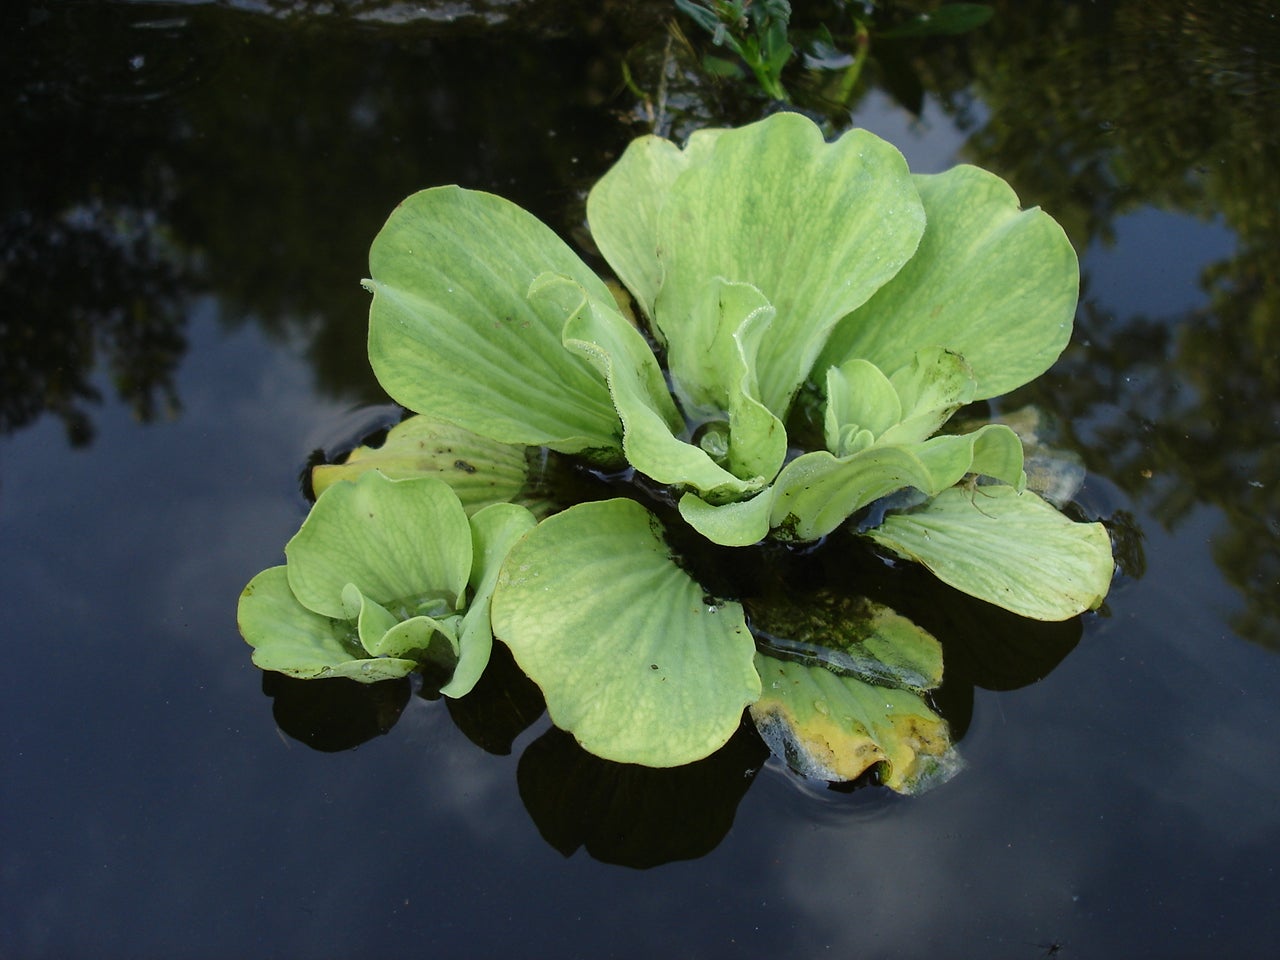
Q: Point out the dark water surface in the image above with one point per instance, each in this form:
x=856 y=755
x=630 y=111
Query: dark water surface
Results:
x=189 y=192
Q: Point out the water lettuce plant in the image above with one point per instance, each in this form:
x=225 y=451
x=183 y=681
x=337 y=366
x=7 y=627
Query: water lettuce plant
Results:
x=802 y=320
x=384 y=576
x=763 y=260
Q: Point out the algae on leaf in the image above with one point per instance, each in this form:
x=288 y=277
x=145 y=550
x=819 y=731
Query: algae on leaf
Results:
x=849 y=635
x=832 y=727
x=844 y=680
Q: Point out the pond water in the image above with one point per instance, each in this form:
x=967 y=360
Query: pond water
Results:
x=189 y=195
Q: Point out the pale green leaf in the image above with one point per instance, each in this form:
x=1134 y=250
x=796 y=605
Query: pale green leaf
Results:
x=423 y=639
x=991 y=451
x=710 y=368
x=718 y=378
x=905 y=408
x=817 y=492
x=1013 y=550
x=452 y=333
x=933 y=386
x=990 y=281
x=835 y=728
x=404 y=543
x=479 y=470
x=861 y=405
x=623 y=206
x=817 y=227
x=493 y=531
x=737 y=524
x=290 y=639
x=632 y=658
x=419 y=638
x=651 y=423
x=1055 y=473
x=372 y=619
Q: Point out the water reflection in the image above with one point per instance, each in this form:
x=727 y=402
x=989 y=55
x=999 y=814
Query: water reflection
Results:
x=179 y=149
x=620 y=813
x=88 y=289
x=635 y=816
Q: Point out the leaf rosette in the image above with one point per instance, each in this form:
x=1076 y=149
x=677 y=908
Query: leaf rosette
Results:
x=385 y=576
x=765 y=264
x=761 y=259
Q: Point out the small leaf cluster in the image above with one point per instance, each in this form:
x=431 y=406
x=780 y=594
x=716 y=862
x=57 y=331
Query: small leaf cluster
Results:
x=761 y=34
x=755 y=31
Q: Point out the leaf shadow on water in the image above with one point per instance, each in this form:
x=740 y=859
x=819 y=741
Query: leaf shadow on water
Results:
x=621 y=814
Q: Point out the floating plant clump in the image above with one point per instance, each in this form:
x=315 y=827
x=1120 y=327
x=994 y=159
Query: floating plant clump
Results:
x=384 y=577
x=804 y=318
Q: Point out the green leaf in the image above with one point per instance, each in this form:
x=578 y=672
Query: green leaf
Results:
x=479 y=470
x=623 y=207
x=849 y=635
x=737 y=524
x=717 y=379
x=288 y=638
x=816 y=227
x=424 y=639
x=831 y=727
x=452 y=333
x=930 y=389
x=757 y=438
x=1054 y=473
x=372 y=619
x=701 y=13
x=861 y=405
x=991 y=282
x=405 y=544
x=720 y=67
x=812 y=496
x=419 y=638
x=903 y=409
x=990 y=451
x=633 y=660
x=1013 y=550
x=651 y=423
x=493 y=530
x=816 y=492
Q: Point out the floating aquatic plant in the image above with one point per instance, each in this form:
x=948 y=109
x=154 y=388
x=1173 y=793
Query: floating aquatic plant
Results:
x=384 y=576
x=811 y=315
